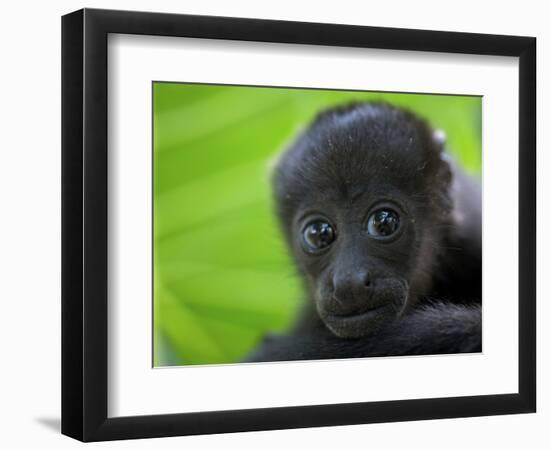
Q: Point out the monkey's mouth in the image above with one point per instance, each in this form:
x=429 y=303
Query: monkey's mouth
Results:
x=362 y=324
x=391 y=301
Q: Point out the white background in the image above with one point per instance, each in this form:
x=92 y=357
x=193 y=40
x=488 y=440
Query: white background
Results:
x=136 y=389
x=30 y=229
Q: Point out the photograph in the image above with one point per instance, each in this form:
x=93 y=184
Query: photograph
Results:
x=282 y=224
x=298 y=224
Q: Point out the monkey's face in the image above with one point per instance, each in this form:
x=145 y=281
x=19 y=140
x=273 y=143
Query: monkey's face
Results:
x=358 y=262
x=362 y=195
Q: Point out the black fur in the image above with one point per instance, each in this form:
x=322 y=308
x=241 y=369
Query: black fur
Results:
x=372 y=296
x=439 y=328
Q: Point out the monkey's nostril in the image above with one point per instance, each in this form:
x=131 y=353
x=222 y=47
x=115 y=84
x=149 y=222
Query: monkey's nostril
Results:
x=366 y=280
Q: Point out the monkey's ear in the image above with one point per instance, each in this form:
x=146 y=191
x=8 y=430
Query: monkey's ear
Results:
x=440 y=138
x=445 y=172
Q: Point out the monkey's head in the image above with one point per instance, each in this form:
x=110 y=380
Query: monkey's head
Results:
x=363 y=197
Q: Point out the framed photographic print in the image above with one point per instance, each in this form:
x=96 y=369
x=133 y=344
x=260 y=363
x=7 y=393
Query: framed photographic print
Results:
x=273 y=224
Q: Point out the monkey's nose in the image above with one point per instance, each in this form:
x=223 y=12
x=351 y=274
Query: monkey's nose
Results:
x=351 y=289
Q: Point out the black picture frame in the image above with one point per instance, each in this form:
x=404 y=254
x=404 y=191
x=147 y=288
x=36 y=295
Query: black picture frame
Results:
x=84 y=224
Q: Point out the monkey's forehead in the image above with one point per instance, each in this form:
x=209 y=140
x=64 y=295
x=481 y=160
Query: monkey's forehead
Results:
x=328 y=192
x=354 y=182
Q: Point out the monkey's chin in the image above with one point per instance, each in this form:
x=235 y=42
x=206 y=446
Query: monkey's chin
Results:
x=360 y=325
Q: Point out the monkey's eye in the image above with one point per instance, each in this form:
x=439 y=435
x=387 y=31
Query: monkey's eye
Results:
x=383 y=223
x=317 y=236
